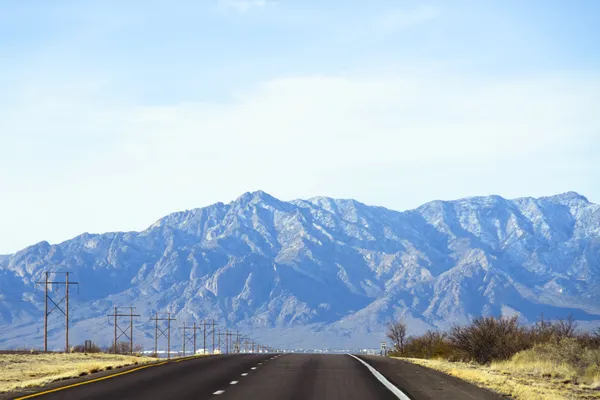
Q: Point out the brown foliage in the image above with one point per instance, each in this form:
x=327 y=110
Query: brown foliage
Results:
x=397 y=333
x=432 y=344
x=488 y=339
x=80 y=348
x=124 y=348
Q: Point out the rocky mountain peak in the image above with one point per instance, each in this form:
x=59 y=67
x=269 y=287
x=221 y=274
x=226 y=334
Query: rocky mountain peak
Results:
x=567 y=197
x=328 y=270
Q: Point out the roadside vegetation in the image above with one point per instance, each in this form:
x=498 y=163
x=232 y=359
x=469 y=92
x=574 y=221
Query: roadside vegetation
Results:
x=549 y=360
x=22 y=369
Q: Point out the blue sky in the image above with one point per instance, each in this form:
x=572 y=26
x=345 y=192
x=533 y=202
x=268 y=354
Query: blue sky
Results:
x=115 y=113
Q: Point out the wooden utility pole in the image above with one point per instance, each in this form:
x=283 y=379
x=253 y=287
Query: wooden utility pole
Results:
x=213 y=335
x=206 y=332
x=186 y=338
x=204 y=325
x=162 y=332
x=123 y=332
x=46 y=314
x=57 y=306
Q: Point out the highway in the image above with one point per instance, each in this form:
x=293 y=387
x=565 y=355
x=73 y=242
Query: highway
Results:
x=272 y=376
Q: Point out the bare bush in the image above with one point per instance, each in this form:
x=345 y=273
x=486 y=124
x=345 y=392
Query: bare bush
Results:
x=432 y=344
x=80 y=348
x=490 y=338
x=566 y=328
x=397 y=333
x=122 y=348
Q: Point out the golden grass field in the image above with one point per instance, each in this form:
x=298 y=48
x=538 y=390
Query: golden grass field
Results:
x=27 y=370
x=524 y=377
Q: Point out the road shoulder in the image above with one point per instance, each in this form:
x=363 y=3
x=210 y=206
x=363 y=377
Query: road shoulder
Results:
x=419 y=382
x=89 y=378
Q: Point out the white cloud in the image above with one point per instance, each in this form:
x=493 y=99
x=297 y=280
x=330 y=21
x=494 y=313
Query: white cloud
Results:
x=244 y=5
x=344 y=122
x=390 y=140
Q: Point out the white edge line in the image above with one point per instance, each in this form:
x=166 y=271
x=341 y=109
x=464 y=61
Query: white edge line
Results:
x=389 y=385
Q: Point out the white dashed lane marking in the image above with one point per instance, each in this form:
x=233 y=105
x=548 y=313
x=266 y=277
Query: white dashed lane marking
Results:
x=253 y=368
x=219 y=392
x=245 y=374
x=233 y=382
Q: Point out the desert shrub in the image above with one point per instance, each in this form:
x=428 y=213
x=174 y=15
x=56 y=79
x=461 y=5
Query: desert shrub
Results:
x=589 y=340
x=490 y=338
x=123 y=348
x=432 y=344
x=544 y=331
x=80 y=348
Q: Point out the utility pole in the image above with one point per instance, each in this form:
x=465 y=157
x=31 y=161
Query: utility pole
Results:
x=206 y=332
x=213 y=335
x=204 y=325
x=219 y=335
x=129 y=335
x=162 y=332
x=189 y=339
x=230 y=348
x=184 y=337
x=57 y=306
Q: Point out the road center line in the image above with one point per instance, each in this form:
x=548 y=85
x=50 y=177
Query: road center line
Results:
x=389 y=385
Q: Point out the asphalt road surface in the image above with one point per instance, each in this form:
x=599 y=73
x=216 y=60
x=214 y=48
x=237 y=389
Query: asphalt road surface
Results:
x=272 y=376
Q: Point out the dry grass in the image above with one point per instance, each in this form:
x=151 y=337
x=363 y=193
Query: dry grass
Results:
x=567 y=361
x=27 y=370
x=523 y=378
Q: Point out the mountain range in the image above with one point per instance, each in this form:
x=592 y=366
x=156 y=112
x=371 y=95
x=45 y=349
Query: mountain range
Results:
x=320 y=272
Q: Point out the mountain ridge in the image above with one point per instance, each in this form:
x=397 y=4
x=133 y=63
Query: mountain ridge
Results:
x=325 y=270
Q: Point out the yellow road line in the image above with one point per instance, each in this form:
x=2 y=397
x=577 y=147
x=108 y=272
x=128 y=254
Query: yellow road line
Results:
x=101 y=379
x=186 y=358
x=90 y=381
